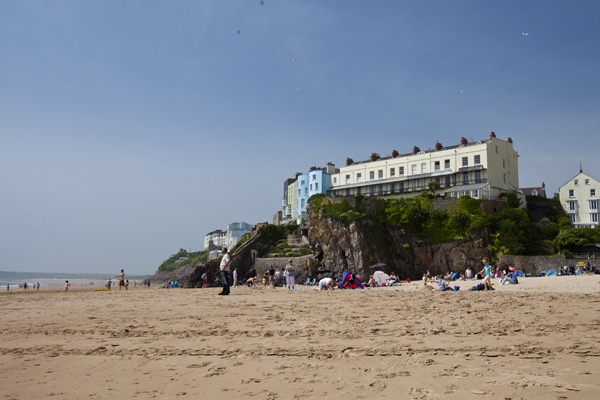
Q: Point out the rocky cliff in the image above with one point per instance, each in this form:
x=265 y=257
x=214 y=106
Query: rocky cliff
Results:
x=361 y=243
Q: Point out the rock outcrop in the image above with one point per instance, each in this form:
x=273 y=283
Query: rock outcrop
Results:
x=362 y=243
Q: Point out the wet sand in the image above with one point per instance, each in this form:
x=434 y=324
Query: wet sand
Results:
x=535 y=340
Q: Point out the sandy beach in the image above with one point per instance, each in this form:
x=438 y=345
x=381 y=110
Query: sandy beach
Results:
x=535 y=340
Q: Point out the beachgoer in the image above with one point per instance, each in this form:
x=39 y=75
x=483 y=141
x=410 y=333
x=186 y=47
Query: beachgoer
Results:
x=372 y=282
x=442 y=284
x=487 y=274
x=66 y=286
x=290 y=271
x=327 y=283
x=272 y=275
x=224 y=268
x=122 y=279
x=126 y=284
x=204 y=278
x=469 y=273
x=235 y=277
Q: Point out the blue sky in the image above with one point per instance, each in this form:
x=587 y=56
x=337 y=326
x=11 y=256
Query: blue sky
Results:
x=130 y=129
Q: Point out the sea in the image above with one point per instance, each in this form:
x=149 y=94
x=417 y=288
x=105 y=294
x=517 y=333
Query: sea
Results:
x=57 y=279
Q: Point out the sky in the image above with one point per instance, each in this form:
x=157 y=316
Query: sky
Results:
x=131 y=129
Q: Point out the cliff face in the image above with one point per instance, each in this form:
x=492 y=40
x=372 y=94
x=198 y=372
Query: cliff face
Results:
x=359 y=244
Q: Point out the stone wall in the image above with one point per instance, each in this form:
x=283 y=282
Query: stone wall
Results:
x=532 y=265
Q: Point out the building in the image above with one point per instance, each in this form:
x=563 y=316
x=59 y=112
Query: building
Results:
x=215 y=240
x=579 y=198
x=484 y=169
x=539 y=191
x=298 y=190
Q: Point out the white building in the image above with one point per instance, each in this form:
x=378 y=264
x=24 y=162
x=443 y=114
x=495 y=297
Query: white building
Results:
x=579 y=198
x=483 y=170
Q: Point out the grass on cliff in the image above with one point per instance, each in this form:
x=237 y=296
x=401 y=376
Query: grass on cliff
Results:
x=183 y=258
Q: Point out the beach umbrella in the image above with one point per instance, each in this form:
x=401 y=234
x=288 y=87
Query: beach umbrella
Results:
x=377 y=266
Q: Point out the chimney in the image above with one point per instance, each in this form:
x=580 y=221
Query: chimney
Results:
x=492 y=135
x=395 y=153
x=416 y=150
x=349 y=161
x=509 y=140
x=544 y=185
x=438 y=146
x=464 y=141
x=374 y=156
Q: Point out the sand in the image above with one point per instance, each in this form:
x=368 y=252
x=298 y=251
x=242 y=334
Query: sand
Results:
x=536 y=340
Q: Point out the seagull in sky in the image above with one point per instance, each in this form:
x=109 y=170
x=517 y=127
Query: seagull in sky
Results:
x=525 y=33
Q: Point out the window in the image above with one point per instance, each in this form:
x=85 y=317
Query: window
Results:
x=359 y=177
x=423 y=168
x=503 y=163
x=347 y=179
x=594 y=218
x=475 y=194
x=477 y=159
x=302 y=205
x=592 y=192
x=314 y=177
x=392 y=188
x=465 y=177
x=593 y=205
x=571 y=193
x=392 y=171
x=576 y=182
x=446 y=164
x=316 y=186
x=380 y=187
x=380 y=174
x=358 y=191
x=573 y=218
x=496 y=149
x=334 y=180
x=504 y=177
x=436 y=166
x=465 y=161
x=371 y=175
x=571 y=205
x=587 y=181
x=477 y=177
x=306 y=191
x=311 y=187
x=400 y=170
x=372 y=190
x=414 y=169
x=447 y=181
x=401 y=187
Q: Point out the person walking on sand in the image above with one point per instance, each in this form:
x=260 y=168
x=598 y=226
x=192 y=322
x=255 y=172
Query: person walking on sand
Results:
x=122 y=279
x=487 y=274
x=224 y=268
x=66 y=286
x=290 y=271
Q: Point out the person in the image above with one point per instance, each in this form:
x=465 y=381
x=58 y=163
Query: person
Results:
x=224 y=268
x=469 y=273
x=442 y=284
x=37 y=286
x=372 y=282
x=290 y=271
x=327 y=283
x=272 y=276
x=109 y=283
x=204 y=278
x=235 y=277
x=510 y=278
x=277 y=278
x=487 y=274
x=122 y=279
x=126 y=284
x=66 y=286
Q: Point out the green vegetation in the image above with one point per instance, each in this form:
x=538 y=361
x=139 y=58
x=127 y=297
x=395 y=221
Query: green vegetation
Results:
x=542 y=229
x=183 y=258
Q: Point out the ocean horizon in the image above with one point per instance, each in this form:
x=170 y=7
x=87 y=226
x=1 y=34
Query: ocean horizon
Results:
x=54 y=279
